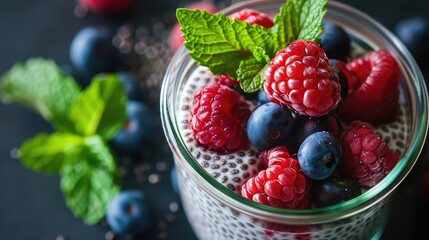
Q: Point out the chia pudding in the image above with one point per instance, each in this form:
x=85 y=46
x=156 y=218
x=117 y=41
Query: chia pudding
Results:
x=211 y=194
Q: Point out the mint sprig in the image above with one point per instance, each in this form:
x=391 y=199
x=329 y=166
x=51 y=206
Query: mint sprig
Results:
x=231 y=47
x=85 y=121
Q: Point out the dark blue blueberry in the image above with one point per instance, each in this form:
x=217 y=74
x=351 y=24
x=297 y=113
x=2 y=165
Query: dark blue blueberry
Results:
x=334 y=190
x=414 y=33
x=129 y=213
x=173 y=179
x=304 y=126
x=335 y=41
x=132 y=89
x=319 y=155
x=339 y=67
x=262 y=97
x=77 y=76
x=268 y=126
x=92 y=51
x=138 y=129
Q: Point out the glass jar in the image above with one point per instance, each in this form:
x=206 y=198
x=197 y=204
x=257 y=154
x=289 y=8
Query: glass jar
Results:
x=217 y=212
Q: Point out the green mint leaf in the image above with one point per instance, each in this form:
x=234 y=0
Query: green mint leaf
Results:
x=251 y=74
x=48 y=153
x=42 y=86
x=89 y=184
x=299 y=19
x=100 y=108
x=220 y=43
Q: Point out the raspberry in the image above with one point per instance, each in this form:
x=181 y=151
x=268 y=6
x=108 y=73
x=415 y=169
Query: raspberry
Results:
x=278 y=156
x=366 y=157
x=218 y=118
x=226 y=80
x=282 y=184
x=373 y=91
x=300 y=77
x=253 y=17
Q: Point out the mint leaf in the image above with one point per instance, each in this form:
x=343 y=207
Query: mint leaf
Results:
x=299 y=19
x=251 y=74
x=42 y=86
x=100 y=109
x=48 y=153
x=220 y=43
x=89 y=184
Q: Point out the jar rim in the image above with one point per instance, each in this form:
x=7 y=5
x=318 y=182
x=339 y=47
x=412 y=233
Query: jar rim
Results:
x=375 y=33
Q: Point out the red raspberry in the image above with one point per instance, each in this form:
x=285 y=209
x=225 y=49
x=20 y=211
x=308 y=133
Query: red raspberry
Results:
x=365 y=156
x=282 y=184
x=253 y=17
x=278 y=156
x=226 y=80
x=103 y=6
x=300 y=77
x=374 y=90
x=218 y=118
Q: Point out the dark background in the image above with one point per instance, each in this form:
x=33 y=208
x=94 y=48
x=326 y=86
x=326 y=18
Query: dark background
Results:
x=32 y=205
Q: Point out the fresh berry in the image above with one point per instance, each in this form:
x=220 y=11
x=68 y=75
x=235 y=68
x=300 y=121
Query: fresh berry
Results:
x=334 y=190
x=278 y=156
x=92 y=51
x=218 y=118
x=414 y=33
x=176 y=39
x=278 y=186
x=226 y=80
x=304 y=126
x=128 y=213
x=106 y=6
x=335 y=41
x=132 y=89
x=366 y=157
x=374 y=90
x=299 y=76
x=269 y=126
x=137 y=131
x=262 y=97
x=319 y=155
x=253 y=17
x=344 y=75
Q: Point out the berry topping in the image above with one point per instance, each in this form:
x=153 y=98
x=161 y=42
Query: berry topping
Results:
x=319 y=155
x=226 y=80
x=253 y=17
x=218 y=118
x=334 y=190
x=373 y=91
x=304 y=126
x=278 y=156
x=299 y=76
x=278 y=186
x=366 y=157
x=335 y=41
x=269 y=126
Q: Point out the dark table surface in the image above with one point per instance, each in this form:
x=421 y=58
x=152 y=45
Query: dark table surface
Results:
x=32 y=205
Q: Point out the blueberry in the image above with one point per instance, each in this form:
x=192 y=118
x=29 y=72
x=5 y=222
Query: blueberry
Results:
x=334 y=190
x=129 y=213
x=319 y=155
x=335 y=41
x=173 y=179
x=340 y=68
x=304 y=126
x=262 y=97
x=138 y=129
x=132 y=89
x=268 y=126
x=414 y=33
x=92 y=51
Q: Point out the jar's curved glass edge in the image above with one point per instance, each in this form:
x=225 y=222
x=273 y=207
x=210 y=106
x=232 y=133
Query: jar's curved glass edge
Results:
x=342 y=210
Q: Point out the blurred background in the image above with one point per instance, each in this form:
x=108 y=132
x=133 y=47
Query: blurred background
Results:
x=32 y=205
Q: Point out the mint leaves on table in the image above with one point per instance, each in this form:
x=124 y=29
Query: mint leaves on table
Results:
x=231 y=47
x=84 y=121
